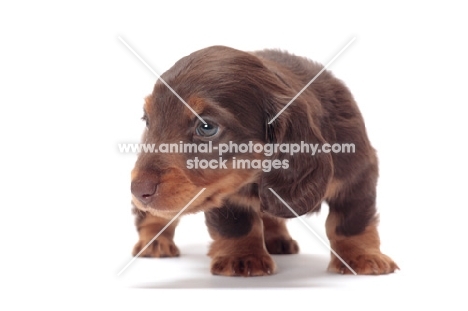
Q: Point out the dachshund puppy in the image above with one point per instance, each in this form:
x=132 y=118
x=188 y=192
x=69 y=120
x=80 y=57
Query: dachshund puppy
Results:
x=233 y=96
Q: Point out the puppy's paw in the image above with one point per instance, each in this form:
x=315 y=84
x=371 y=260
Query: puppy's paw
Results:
x=282 y=246
x=246 y=265
x=161 y=247
x=371 y=264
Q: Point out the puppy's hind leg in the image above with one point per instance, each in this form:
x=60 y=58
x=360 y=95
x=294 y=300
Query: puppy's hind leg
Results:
x=148 y=227
x=277 y=238
x=352 y=229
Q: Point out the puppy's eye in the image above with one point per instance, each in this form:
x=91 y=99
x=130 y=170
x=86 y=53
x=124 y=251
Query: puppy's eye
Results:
x=145 y=119
x=207 y=130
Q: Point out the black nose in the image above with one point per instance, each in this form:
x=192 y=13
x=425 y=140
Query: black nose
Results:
x=144 y=190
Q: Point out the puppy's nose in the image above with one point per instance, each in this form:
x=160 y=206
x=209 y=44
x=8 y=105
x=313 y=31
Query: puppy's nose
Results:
x=144 y=190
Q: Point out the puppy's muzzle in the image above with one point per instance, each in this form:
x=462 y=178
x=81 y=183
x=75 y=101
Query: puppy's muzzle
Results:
x=144 y=190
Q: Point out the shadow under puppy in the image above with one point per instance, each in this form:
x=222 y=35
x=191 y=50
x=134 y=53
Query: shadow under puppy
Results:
x=236 y=94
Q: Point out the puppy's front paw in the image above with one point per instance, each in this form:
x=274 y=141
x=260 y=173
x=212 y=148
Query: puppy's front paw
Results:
x=161 y=247
x=246 y=265
x=374 y=263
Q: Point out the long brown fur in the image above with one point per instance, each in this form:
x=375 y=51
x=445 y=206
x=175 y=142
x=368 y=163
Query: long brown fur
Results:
x=240 y=92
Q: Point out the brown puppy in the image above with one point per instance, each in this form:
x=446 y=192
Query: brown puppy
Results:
x=236 y=94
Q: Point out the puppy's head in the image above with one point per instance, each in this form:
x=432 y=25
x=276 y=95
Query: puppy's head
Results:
x=232 y=95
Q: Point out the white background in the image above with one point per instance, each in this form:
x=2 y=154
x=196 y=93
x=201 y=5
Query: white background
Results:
x=71 y=91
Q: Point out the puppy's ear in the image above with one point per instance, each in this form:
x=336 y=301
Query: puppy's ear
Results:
x=303 y=183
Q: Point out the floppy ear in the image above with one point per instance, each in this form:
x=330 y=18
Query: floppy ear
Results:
x=303 y=184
